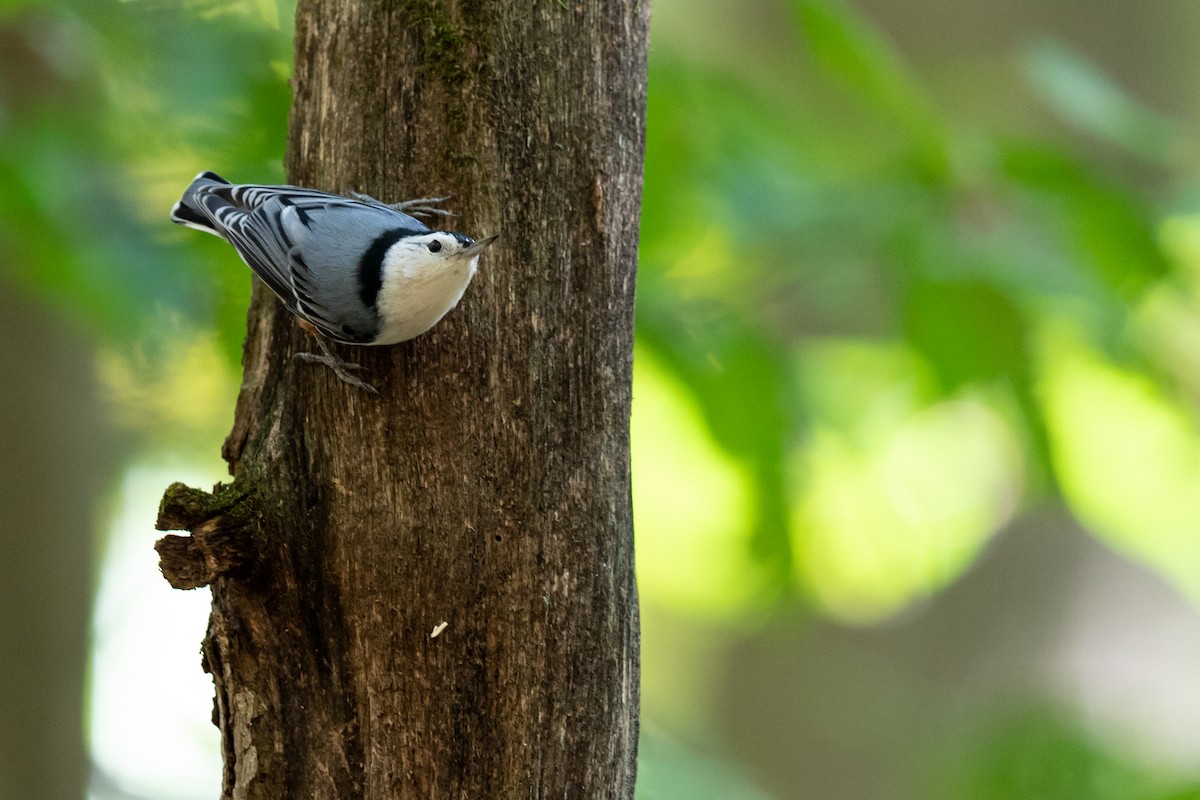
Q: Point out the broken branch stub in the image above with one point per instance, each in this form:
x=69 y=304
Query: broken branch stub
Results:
x=221 y=540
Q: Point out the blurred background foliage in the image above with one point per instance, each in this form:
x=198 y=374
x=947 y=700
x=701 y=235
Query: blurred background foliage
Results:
x=916 y=464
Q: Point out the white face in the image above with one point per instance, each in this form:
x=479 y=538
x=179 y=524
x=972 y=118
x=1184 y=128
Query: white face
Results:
x=427 y=254
x=438 y=247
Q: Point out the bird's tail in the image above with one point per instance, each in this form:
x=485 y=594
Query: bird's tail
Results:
x=189 y=211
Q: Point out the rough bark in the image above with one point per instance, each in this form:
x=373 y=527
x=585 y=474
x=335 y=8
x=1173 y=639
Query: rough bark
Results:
x=487 y=487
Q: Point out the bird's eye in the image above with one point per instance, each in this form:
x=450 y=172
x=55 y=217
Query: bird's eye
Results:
x=434 y=246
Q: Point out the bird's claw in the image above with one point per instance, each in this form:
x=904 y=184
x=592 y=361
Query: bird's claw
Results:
x=420 y=207
x=340 y=368
x=339 y=365
x=423 y=206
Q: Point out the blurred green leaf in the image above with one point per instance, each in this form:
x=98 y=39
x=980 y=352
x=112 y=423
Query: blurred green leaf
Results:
x=857 y=53
x=969 y=331
x=11 y=6
x=1111 y=229
x=1191 y=793
x=975 y=335
x=742 y=383
x=85 y=93
x=669 y=771
x=1037 y=753
x=1081 y=93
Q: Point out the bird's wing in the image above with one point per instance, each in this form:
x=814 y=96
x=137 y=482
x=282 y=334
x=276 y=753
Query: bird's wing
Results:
x=311 y=302
x=251 y=224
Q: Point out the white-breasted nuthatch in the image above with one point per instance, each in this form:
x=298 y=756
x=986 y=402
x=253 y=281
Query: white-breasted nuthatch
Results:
x=354 y=269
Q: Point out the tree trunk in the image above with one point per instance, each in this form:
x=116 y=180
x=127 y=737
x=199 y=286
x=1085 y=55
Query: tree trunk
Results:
x=59 y=453
x=486 y=490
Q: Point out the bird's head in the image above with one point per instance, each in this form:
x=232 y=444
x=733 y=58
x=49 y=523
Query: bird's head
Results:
x=439 y=250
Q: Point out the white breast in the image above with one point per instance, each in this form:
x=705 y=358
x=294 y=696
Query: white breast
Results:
x=417 y=292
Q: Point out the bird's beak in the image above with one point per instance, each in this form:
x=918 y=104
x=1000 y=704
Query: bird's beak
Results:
x=479 y=247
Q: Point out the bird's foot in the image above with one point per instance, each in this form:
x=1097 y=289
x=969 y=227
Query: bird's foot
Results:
x=421 y=207
x=340 y=367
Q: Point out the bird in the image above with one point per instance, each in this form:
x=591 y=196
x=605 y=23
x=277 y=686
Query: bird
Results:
x=351 y=268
